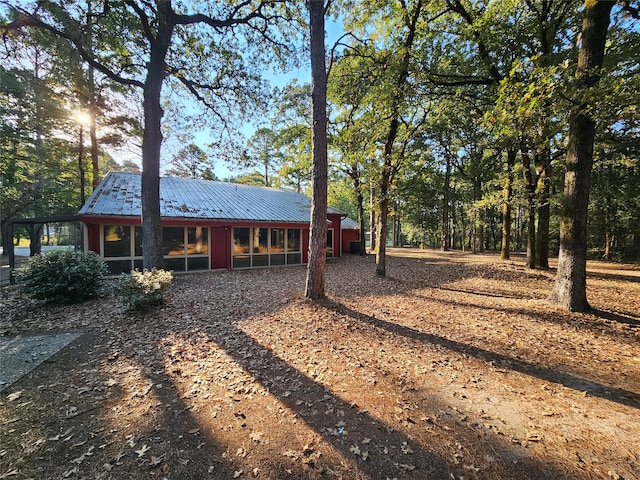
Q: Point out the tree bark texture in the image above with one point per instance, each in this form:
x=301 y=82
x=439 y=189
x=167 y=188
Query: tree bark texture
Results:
x=383 y=227
x=372 y=220
x=389 y=167
x=81 y=165
x=531 y=209
x=506 y=206
x=318 y=232
x=151 y=224
x=570 y=288
x=93 y=107
x=446 y=198
x=478 y=217
x=361 y=223
x=543 y=190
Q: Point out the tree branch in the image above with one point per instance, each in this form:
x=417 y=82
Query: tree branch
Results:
x=144 y=20
x=457 y=7
x=631 y=10
x=27 y=19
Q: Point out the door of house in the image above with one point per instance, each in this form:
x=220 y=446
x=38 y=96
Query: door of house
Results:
x=220 y=247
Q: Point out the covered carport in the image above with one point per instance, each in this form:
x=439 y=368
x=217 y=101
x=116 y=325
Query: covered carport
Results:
x=34 y=226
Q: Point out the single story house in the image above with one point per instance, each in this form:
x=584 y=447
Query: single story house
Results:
x=206 y=225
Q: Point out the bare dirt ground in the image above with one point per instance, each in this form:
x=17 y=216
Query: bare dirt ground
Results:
x=452 y=367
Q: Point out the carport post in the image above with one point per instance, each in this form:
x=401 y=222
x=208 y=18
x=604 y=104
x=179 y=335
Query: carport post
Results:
x=12 y=257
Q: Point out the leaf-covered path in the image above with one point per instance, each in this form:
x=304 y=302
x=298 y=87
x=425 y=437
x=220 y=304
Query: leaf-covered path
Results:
x=454 y=366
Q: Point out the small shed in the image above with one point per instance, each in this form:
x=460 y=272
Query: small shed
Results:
x=350 y=235
x=205 y=224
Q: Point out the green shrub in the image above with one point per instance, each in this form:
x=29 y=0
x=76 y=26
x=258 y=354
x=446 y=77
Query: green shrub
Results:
x=61 y=276
x=141 y=290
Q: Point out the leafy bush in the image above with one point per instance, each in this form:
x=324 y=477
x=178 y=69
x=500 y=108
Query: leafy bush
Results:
x=141 y=290
x=62 y=276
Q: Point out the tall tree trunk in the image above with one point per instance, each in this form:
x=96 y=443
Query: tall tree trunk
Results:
x=444 y=241
x=318 y=232
x=478 y=218
x=531 y=208
x=506 y=205
x=463 y=223
x=608 y=243
x=81 y=165
x=93 y=99
x=389 y=166
x=382 y=230
x=361 y=222
x=35 y=239
x=151 y=223
x=453 y=223
x=518 y=232
x=570 y=288
x=95 y=166
x=394 y=226
x=610 y=209
x=6 y=239
x=372 y=219
x=354 y=173
x=543 y=190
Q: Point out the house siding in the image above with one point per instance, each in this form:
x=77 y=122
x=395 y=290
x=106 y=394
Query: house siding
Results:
x=185 y=203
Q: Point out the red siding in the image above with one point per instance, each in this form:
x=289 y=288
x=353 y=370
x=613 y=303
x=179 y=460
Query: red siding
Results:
x=334 y=222
x=305 y=245
x=93 y=237
x=348 y=236
x=220 y=247
x=220 y=235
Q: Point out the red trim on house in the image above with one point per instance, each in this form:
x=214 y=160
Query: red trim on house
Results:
x=93 y=237
x=220 y=241
x=305 y=245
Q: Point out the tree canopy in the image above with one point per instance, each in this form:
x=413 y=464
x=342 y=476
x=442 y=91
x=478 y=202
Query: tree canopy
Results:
x=449 y=121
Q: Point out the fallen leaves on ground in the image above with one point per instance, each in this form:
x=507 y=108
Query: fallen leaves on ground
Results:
x=454 y=366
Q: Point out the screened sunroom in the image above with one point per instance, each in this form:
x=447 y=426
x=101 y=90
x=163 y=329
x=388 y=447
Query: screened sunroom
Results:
x=205 y=225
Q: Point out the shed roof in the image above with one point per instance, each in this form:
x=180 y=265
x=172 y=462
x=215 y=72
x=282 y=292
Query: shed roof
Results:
x=119 y=194
x=349 y=224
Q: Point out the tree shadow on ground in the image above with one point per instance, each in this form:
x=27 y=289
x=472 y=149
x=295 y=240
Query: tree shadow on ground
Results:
x=560 y=318
x=613 y=276
x=81 y=422
x=172 y=416
x=621 y=396
x=500 y=294
x=433 y=272
x=265 y=366
x=627 y=318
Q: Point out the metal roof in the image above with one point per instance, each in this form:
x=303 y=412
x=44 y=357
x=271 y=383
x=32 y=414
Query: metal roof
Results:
x=349 y=224
x=119 y=194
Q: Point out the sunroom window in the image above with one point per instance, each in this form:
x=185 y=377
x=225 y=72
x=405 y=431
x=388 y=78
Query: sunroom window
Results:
x=184 y=248
x=117 y=240
x=263 y=247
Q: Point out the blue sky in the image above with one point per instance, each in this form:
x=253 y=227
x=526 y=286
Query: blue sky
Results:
x=334 y=29
x=302 y=74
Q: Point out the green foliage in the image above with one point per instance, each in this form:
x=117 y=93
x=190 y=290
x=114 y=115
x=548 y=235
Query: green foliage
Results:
x=261 y=153
x=292 y=131
x=192 y=162
x=142 y=290
x=63 y=277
